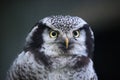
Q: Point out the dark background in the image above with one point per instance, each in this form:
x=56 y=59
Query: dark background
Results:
x=18 y=17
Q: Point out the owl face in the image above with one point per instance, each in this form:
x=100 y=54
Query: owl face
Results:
x=61 y=36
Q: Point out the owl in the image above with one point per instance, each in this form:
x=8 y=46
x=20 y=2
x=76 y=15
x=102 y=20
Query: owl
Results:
x=57 y=48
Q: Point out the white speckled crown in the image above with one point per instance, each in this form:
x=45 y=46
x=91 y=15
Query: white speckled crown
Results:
x=64 y=22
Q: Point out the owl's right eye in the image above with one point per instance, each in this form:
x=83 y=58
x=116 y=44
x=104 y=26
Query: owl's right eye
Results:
x=76 y=33
x=53 y=34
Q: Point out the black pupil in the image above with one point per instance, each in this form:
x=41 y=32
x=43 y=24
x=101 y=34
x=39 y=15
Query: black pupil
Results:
x=75 y=33
x=54 y=33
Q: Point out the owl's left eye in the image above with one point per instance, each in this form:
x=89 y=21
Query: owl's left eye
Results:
x=76 y=33
x=53 y=34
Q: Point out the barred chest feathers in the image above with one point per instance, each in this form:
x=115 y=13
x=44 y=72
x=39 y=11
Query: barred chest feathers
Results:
x=60 y=69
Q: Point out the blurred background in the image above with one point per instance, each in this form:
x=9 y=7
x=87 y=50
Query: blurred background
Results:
x=17 y=17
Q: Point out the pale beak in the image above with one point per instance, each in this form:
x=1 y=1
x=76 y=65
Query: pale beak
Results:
x=66 y=42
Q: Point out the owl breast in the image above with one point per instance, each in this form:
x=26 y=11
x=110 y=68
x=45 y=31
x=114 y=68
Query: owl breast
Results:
x=61 y=68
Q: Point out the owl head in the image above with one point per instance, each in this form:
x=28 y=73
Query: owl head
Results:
x=61 y=36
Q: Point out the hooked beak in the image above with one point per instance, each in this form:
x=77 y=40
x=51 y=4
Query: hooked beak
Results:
x=66 y=42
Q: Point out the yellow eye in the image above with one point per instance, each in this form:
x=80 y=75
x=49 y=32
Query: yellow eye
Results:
x=53 y=34
x=76 y=33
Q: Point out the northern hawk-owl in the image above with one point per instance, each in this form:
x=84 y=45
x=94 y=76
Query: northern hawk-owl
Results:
x=57 y=48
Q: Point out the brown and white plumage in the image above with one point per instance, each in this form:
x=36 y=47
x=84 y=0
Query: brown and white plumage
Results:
x=57 y=48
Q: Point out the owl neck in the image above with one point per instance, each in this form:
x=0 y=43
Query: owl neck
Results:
x=73 y=61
